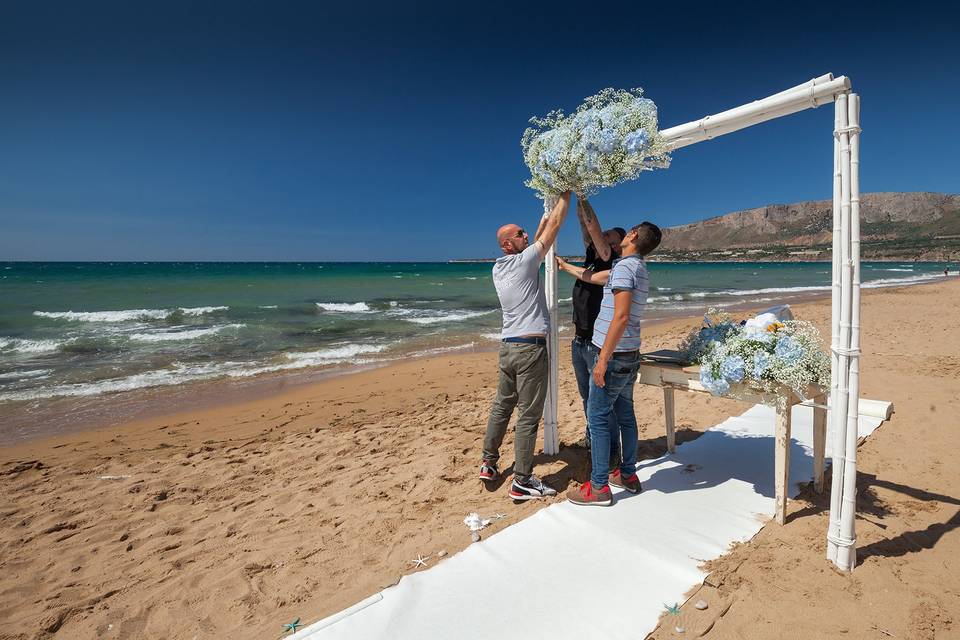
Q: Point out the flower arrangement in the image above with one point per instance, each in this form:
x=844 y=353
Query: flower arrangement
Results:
x=763 y=354
x=611 y=138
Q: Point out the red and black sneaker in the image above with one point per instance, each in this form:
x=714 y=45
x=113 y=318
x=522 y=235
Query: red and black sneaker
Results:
x=489 y=471
x=631 y=483
x=585 y=494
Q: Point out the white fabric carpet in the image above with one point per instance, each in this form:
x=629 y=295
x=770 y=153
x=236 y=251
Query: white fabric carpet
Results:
x=641 y=553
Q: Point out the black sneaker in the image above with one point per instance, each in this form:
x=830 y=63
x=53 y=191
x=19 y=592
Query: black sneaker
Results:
x=530 y=489
x=489 y=471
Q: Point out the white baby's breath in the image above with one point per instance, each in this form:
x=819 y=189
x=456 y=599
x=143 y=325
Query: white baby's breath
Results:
x=611 y=138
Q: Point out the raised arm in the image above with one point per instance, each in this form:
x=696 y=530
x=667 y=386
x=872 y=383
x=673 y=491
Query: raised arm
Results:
x=541 y=226
x=582 y=273
x=551 y=227
x=590 y=228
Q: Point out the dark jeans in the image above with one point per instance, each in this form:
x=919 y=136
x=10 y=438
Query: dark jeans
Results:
x=522 y=385
x=584 y=354
x=610 y=415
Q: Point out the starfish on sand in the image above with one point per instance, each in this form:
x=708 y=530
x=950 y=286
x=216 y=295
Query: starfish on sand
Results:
x=675 y=609
x=292 y=626
x=500 y=516
x=420 y=561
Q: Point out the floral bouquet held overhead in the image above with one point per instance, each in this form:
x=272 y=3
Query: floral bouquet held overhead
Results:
x=763 y=354
x=611 y=138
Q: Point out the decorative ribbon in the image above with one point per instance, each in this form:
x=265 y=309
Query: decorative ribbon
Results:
x=840 y=541
x=843 y=351
x=837 y=132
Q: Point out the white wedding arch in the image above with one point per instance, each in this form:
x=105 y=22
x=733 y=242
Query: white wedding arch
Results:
x=845 y=325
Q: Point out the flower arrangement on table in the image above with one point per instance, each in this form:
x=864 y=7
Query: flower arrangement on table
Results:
x=611 y=138
x=763 y=354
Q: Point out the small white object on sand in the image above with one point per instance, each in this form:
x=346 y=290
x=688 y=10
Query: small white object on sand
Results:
x=701 y=605
x=475 y=522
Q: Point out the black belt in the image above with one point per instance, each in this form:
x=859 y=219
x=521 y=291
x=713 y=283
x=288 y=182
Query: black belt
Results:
x=635 y=352
x=527 y=340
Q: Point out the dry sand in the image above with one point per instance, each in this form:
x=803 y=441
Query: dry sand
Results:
x=232 y=520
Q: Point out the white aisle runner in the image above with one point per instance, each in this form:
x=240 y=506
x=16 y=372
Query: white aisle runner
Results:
x=537 y=578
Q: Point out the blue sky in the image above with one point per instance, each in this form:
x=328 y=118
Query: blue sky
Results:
x=366 y=131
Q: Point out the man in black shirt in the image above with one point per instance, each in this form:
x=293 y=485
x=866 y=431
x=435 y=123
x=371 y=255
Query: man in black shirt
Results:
x=601 y=249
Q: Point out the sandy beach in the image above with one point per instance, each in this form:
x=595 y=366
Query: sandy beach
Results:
x=230 y=520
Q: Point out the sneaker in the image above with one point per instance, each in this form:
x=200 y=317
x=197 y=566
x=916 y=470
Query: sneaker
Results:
x=489 y=471
x=631 y=483
x=614 y=462
x=586 y=495
x=530 y=489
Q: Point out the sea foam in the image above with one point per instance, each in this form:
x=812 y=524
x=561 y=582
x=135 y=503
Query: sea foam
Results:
x=450 y=316
x=18 y=345
x=125 y=315
x=345 y=307
x=181 y=334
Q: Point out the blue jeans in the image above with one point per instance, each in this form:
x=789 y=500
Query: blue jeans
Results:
x=584 y=354
x=610 y=414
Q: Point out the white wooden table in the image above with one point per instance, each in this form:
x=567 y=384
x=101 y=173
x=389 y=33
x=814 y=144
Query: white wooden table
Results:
x=672 y=377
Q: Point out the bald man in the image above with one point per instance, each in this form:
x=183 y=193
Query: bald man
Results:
x=523 y=351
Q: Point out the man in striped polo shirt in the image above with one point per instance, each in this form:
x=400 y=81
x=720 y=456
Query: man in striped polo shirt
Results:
x=616 y=335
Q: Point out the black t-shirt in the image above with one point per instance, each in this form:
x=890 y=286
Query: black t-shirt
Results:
x=587 y=297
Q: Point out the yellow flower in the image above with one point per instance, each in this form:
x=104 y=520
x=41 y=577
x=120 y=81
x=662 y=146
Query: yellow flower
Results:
x=773 y=327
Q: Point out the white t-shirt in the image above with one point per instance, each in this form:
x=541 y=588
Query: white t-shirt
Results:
x=520 y=289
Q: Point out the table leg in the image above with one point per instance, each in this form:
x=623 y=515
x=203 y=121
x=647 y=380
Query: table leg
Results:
x=819 y=445
x=668 y=416
x=782 y=461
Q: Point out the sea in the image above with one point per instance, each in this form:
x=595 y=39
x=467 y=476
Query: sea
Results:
x=91 y=330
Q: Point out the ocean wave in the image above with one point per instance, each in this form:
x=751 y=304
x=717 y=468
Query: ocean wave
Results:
x=450 y=316
x=267 y=306
x=181 y=334
x=754 y=292
x=345 y=307
x=676 y=296
x=158 y=378
x=872 y=284
x=125 y=315
x=19 y=345
x=439 y=350
x=22 y=375
x=491 y=336
x=181 y=373
x=570 y=299
x=896 y=282
x=334 y=354
x=199 y=311
x=895 y=269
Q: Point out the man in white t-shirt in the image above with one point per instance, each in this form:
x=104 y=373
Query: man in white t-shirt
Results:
x=523 y=351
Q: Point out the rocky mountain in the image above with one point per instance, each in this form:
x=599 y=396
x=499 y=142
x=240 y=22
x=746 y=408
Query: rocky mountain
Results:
x=894 y=226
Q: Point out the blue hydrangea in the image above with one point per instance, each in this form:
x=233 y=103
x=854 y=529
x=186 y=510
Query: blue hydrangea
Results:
x=608 y=141
x=788 y=350
x=608 y=116
x=733 y=368
x=761 y=362
x=716 y=386
x=636 y=142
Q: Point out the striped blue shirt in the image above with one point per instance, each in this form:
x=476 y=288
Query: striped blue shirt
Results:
x=627 y=274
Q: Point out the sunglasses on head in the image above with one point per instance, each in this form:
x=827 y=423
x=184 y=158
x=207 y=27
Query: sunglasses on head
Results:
x=520 y=233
